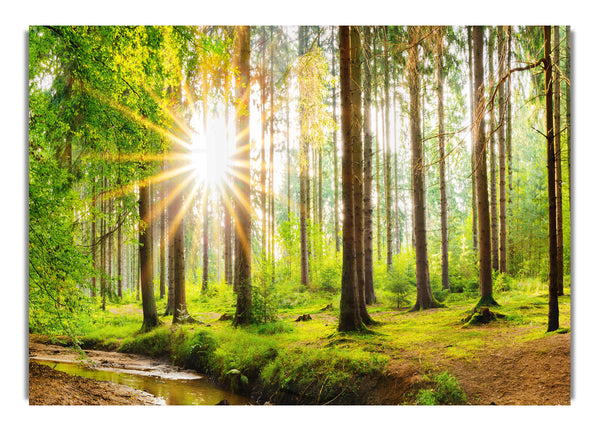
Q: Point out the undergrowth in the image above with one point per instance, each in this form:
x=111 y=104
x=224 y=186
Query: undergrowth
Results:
x=445 y=391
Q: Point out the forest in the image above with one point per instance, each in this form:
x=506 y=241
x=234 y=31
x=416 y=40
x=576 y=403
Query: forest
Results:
x=306 y=214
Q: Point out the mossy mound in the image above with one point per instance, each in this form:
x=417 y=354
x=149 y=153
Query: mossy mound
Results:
x=481 y=316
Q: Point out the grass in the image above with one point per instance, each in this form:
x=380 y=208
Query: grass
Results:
x=310 y=362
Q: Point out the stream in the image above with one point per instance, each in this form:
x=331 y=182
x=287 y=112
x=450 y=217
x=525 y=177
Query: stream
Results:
x=173 y=385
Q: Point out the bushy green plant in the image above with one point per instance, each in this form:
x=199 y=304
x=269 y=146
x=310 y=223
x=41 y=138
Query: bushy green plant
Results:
x=401 y=278
x=446 y=391
x=502 y=282
x=193 y=349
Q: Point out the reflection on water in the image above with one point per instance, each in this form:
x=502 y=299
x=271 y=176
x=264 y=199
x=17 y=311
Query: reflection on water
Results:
x=177 y=388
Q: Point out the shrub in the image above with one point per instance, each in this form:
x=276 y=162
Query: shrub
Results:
x=154 y=343
x=446 y=391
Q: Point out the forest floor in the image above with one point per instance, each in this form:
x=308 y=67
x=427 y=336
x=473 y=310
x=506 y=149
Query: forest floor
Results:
x=531 y=372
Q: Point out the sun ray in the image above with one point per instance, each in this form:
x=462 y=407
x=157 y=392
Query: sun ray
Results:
x=140 y=119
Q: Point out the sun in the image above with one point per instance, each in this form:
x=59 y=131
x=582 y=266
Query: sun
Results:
x=210 y=153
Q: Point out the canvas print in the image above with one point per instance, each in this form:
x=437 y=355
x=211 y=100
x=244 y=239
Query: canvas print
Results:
x=299 y=215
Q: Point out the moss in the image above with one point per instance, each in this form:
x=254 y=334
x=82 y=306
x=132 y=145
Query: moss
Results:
x=445 y=391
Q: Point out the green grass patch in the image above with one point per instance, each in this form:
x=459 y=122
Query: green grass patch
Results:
x=445 y=391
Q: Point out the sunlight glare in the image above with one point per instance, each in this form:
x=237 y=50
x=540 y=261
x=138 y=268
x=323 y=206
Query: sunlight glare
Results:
x=209 y=154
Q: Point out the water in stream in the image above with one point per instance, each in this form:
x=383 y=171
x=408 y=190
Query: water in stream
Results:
x=175 y=388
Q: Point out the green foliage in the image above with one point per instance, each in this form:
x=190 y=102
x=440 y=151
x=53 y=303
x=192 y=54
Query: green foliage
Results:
x=193 y=349
x=400 y=280
x=322 y=375
x=446 y=391
x=154 y=343
x=502 y=282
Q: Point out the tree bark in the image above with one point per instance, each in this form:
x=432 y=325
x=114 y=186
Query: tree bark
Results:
x=424 y=296
x=336 y=218
x=558 y=162
x=145 y=251
x=205 y=218
x=501 y=147
x=304 y=210
x=442 y=165
x=350 y=319
x=492 y=145
x=553 y=311
x=357 y=166
x=473 y=143
x=483 y=210
x=368 y=172
x=242 y=202
x=388 y=169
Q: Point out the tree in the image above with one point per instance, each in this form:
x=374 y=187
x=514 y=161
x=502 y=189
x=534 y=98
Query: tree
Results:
x=304 y=193
x=350 y=319
x=501 y=146
x=242 y=204
x=336 y=222
x=558 y=163
x=357 y=167
x=473 y=140
x=387 y=160
x=368 y=172
x=492 y=145
x=551 y=151
x=424 y=296
x=145 y=250
x=442 y=165
x=483 y=210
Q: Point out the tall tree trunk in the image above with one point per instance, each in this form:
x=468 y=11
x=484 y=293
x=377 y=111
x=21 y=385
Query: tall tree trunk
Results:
x=473 y=142
x=119 y=257
x=171 y=211
x=492 y=144
x=483 y=210
x=424 y=296
x=388 y=169
x=350 y=319
x=442 y=166
x=357 y=166
x=94 y=239
x=509 y=242
x=180 y=313
x=103 y=230
x=553 y=311
x=368 y=174
x=243 y=269
x=263 y=171
x=205 y=218
x=568 y=107
x=145 y=251
x=397 y=234
x=377 y=179
x=271 y=156
x=304 y=191
x=501 y=147
x=163 y=240
x=227 y=250
x=336 y=218
x=558 y=161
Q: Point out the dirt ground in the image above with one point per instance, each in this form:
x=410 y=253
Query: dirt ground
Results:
x=51 y=387
x=528 y=373
x=533 y=373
